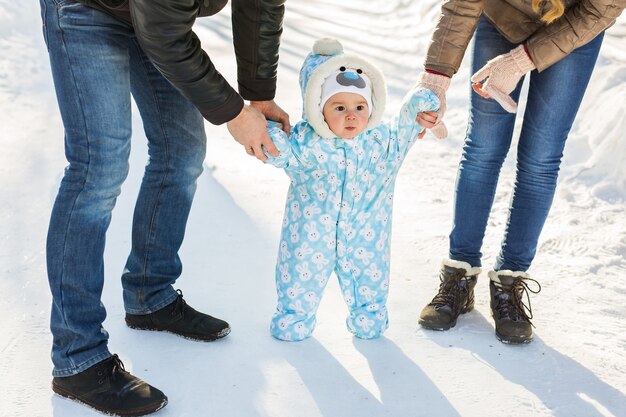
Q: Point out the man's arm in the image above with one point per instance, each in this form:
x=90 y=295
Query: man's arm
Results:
x=257 y=27
x=164 y=31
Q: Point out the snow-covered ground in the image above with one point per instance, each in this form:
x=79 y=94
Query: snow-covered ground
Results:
x=575 y=367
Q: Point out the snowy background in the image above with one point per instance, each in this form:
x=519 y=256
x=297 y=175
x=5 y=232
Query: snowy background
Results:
x=575 y=367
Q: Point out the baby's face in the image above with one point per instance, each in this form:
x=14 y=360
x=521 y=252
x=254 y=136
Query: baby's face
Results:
x=346 y=114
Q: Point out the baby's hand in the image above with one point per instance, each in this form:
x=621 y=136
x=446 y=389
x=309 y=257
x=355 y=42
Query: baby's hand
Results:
x=281 y=141
x=272 y=124
x=427 y=120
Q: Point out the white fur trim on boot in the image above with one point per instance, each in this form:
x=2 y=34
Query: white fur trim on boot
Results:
x=469 y=270
x=495 y=275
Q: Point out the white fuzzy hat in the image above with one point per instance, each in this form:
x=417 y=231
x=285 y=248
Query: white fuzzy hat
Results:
x=347 y=81
x=328 y=58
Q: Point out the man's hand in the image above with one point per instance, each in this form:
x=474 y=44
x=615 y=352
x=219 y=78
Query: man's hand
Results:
x=249 y=128
x=273 y=112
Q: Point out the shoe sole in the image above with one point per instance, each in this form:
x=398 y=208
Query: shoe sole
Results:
x=431 y=326
x=512 y=340
x=208 y=338
x=139 y=412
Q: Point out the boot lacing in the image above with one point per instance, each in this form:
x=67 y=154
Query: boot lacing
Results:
x=450 y=292
x=511 y=298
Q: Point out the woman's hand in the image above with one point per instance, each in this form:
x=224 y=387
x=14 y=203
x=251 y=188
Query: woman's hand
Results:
x=499 y=77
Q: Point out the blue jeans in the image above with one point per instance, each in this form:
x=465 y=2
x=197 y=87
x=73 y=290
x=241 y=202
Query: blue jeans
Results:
x=96 y=64
x=554 y=97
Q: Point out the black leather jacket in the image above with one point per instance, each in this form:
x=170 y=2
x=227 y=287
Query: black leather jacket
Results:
x=164 y=31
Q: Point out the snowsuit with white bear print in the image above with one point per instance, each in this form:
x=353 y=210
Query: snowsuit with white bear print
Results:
x=338 y=218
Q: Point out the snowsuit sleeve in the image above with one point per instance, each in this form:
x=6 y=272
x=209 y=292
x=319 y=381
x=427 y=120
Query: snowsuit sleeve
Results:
x=288 y=158
x=403 y=127
x=282 y=142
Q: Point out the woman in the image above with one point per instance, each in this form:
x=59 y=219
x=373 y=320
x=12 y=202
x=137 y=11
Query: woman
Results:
x=557 y=41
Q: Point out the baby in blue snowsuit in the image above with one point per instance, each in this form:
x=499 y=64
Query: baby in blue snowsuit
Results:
x=342 y=162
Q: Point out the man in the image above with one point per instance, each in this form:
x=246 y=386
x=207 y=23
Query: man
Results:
x=101 y=52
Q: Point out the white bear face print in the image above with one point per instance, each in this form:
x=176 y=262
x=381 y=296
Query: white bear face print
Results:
x=340 y=160
x=367 y=293
x=312 y=233
x=294 y=209
x=363 y=255
x=373 y=273
x=285 y=322
x=382 y=217
x=364 y=323
x=285 y=276
x=320 y=260
x=362 y=217
x=318 y=174
x=320 y=155
x=301 y=330
x=295 y=290
x=368 y=233
x=297 y=307
x=327 y=221
x=303 y=271
x=330 y=241
x=294 y=236
x=321 y=279
x=311 y=298
x=311 y=210
x=333 y=180
x=348 y=298
x=381 y=243
x=320 y=191
x=303 y=193
x=284 y=251
x=302 y=251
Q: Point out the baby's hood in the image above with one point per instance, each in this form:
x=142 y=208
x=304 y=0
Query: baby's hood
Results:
x=327 y=57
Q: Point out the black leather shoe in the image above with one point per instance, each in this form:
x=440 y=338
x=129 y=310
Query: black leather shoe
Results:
x=109 y=388
x=180 y=319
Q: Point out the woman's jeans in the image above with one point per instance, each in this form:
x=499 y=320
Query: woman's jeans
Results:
x=96 y=64
x=554 y=97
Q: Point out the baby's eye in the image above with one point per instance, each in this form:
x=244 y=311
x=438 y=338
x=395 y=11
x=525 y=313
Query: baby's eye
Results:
x=360 y=107
x=340 y=108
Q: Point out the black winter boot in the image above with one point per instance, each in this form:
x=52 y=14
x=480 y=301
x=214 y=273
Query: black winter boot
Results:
x=455 y=296
x=511 y=315
x=180 y=319
x=109 y=388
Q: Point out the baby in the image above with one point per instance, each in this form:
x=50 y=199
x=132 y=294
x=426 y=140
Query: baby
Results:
x=342 y=162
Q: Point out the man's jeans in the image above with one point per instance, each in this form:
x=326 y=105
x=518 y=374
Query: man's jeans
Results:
x=96 y=64
x=554 y=97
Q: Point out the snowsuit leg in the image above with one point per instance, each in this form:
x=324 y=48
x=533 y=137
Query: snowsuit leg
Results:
x=363 y=272
x=305 y=262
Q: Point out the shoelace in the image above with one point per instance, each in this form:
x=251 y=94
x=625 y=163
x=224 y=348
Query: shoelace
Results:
x=105 y=372
x=513 y=296
x=179 y=307
x=450 y=292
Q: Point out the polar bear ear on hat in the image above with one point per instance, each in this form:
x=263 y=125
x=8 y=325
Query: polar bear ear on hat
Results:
x=327 y=46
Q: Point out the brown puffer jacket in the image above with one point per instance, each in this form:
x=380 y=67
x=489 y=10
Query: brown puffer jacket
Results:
x=516 y=20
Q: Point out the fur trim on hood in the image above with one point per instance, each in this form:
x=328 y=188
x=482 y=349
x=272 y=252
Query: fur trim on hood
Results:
x=327 y=57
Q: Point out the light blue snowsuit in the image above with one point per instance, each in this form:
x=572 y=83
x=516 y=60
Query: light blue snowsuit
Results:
x=338 y=218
